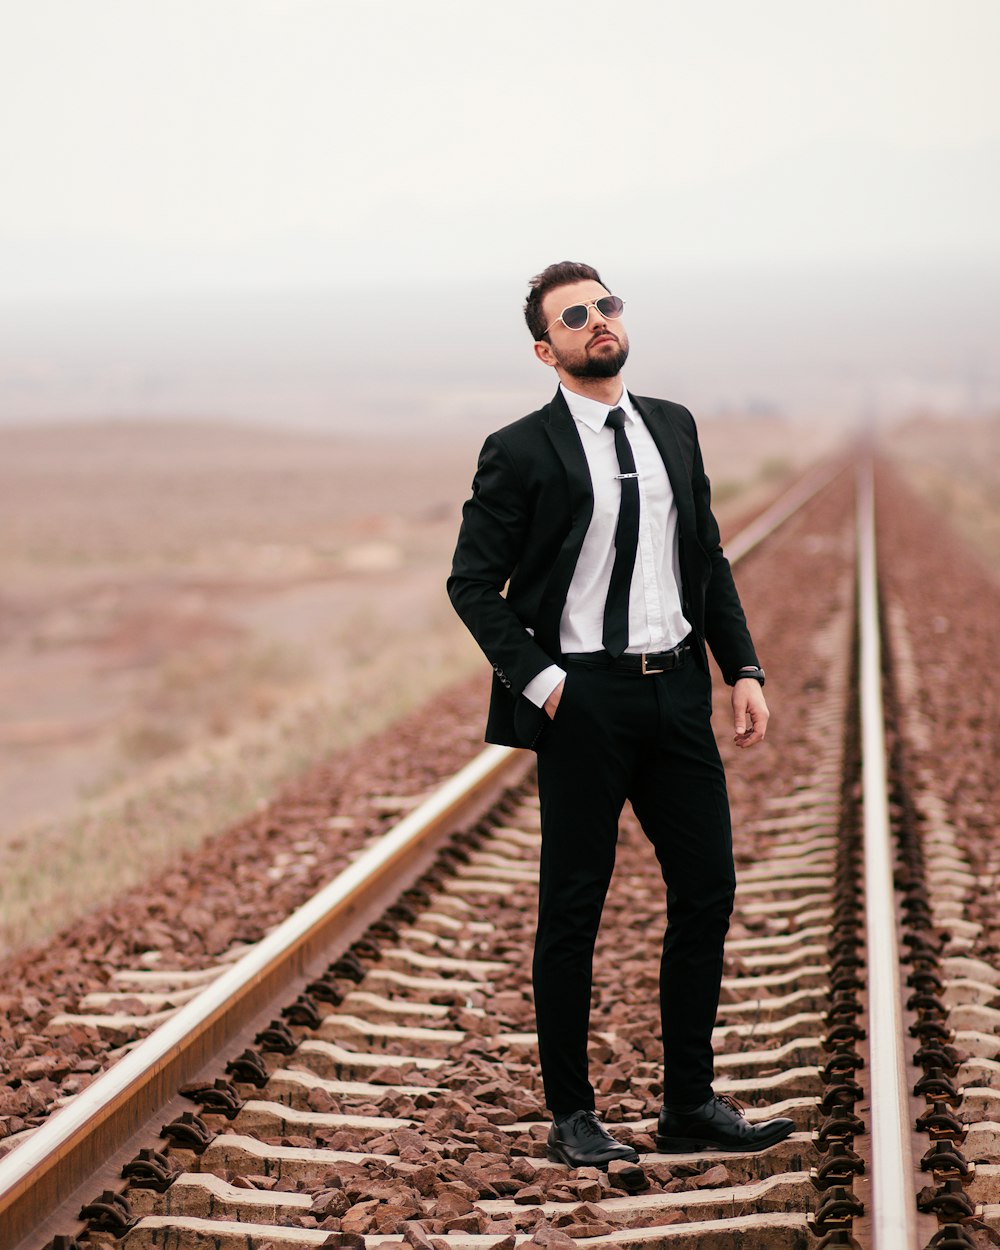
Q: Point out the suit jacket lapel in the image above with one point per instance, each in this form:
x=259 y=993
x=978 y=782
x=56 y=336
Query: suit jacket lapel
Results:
x=678 y=471
x=565 y=438
x=561 y=429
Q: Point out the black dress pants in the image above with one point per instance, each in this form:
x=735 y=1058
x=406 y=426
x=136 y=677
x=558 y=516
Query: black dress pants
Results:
x=648 y=739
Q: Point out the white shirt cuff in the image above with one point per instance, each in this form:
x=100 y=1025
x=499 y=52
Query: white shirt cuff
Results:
x=543 y=683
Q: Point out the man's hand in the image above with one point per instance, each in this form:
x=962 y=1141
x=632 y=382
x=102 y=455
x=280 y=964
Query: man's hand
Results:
x=749 y=712
x=552 y=702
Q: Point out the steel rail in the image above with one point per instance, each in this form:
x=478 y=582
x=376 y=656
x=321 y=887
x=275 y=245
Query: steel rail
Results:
x=784 y=507
x=37 y=1175
x=894 y=1212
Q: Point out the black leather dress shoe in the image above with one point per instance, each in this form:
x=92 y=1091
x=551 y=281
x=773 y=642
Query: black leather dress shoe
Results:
x=718 y=1124
x=582 y=1141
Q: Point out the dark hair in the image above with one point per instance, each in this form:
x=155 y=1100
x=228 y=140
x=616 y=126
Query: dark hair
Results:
x=562 y=273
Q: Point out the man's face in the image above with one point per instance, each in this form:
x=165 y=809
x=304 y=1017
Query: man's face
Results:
x=599 y=350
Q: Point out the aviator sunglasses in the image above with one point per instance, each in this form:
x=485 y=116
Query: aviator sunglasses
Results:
x=576 y=316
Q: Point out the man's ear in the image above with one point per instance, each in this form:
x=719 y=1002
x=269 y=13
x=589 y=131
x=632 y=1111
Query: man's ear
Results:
x=544 y=352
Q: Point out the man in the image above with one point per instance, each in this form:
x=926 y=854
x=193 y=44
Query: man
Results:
x=596 y=510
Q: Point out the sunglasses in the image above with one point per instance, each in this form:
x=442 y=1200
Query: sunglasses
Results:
x=576 y=316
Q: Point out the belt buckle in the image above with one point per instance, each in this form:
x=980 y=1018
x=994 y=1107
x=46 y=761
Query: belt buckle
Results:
x=647 y=672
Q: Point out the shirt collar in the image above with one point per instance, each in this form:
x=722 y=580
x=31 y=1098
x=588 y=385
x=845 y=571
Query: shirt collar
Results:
x=591 y=412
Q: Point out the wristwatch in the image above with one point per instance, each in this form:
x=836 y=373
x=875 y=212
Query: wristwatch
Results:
x=753 y=671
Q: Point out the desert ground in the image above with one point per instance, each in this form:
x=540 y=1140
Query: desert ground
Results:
x=956 y=465
x=191 y=612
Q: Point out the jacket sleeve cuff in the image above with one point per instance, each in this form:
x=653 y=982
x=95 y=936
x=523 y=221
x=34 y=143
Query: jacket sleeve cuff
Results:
x=541 y=686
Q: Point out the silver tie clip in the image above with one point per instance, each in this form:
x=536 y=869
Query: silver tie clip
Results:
x=620 y=476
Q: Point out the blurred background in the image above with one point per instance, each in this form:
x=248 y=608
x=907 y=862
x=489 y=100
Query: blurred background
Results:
x=262 y=267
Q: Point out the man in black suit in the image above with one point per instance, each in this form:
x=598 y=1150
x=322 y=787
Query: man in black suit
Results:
x=594 y=512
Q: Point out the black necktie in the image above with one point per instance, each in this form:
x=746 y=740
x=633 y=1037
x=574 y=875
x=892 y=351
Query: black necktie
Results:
x=626 y=541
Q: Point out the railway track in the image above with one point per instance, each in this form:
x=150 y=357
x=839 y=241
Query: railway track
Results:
x=365 y=1074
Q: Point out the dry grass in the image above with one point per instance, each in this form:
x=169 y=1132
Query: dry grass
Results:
x=204 y=693
x=118 y=839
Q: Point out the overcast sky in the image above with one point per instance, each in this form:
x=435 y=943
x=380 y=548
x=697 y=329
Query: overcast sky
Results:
x=249 y=144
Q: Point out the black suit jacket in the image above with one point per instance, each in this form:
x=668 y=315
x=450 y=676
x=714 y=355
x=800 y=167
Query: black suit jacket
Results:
x=525 y=523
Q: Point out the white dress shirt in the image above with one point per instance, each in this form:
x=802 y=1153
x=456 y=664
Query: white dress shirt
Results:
x=656 y=621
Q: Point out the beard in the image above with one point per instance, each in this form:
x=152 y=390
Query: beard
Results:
x=605 y=365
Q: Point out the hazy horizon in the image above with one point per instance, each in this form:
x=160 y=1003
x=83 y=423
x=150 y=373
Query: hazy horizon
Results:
x=815 y=345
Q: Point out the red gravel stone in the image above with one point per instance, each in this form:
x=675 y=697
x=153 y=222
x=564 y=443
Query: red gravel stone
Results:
x=330 y=1202
x=414 y=1235
x=360 y=1218
x=593 y=1228
x=546 y=1235
x=531 y=1195
x=713 y=1178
